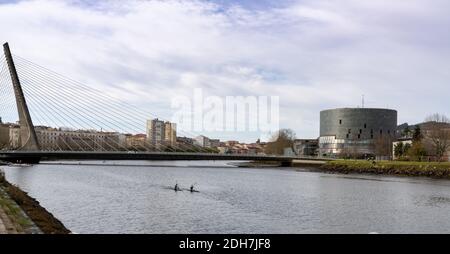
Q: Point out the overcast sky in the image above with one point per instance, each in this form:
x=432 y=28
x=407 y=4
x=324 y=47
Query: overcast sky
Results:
x=313 y=54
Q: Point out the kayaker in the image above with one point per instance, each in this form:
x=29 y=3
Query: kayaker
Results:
x=192 y=188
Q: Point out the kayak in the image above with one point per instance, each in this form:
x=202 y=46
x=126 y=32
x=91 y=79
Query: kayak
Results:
x=172 y=188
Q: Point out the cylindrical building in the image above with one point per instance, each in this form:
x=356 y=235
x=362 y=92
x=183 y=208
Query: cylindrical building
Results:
x=355 y=130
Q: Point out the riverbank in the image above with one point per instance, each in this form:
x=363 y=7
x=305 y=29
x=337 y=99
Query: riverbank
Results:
x=403 y=168
x=310 y=164
x=400 y=168
x=22 y=214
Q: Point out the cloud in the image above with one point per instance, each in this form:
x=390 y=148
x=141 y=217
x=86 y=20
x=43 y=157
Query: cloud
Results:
x=313 y=54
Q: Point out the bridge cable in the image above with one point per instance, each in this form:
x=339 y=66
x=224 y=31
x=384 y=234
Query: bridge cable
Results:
x=93 y=112
x=86 y=87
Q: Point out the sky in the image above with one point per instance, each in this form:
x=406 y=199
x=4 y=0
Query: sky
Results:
x=313 y=54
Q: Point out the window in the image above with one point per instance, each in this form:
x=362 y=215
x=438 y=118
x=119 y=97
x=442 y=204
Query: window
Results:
x=371 y=136
x=360 y=131
x=340 y=121
x=348 y=136
x=349 y=131
x=359 y=136
x=365 y=126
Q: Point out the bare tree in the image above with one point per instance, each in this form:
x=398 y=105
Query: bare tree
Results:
x=284 y=138
x=346 y=151
x=438 y=118
x=350 y=149
x=437 y=130
x=383 y=146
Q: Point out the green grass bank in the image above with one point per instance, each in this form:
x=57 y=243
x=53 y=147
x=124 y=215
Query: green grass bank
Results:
x=404 y=168
x=24 y=211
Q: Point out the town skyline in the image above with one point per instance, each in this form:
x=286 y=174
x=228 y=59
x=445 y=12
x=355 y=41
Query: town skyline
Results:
x=329 y=56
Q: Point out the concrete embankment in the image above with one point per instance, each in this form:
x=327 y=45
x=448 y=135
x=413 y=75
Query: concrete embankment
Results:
x=20 y=213
x=404 y=168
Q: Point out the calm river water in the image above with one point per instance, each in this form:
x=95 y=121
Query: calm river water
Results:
x=134 y=197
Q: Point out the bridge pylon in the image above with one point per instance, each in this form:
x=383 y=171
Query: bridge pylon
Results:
x=28 y=137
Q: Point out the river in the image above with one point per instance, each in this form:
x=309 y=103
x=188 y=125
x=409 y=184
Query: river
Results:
x=134 y=197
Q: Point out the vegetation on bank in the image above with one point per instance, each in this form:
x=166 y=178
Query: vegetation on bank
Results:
x=46 y=222
x=430 y=144
x=279 y=141
x=18 y=222
x=407 y=168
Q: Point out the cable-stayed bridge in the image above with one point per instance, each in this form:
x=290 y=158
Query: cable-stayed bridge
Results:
x=47 y=116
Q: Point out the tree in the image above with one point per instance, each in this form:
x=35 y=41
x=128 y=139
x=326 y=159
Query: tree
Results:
x=406 y=148
x=438 y=118
x=417 y=134
x=398 y=150
x=401 y=149
x=406 y=132
x=348 y=149
x=284 y=138
x=383 y=146
x=438 y=132
x=417 y=151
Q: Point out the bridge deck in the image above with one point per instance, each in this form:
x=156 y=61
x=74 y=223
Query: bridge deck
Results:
x=72 y=155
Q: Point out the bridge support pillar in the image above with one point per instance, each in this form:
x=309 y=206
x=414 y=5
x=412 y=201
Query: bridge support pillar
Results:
x=28 y=136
